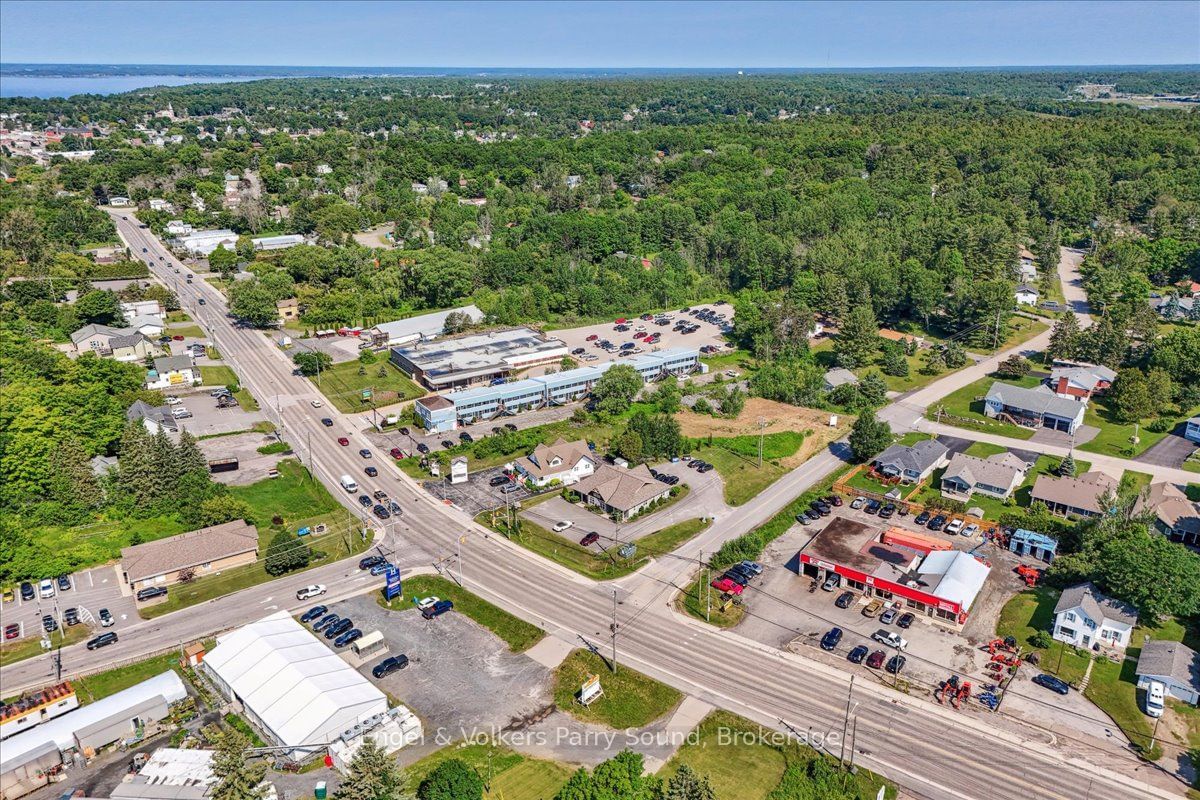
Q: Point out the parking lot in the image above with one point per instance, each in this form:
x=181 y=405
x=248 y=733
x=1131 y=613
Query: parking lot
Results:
x=207 y=419
x=91 y=590
x=253 y=466
x=708 y=334
x=476 y=494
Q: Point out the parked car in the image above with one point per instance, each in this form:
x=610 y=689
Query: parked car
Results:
x=1156 y=694
x=316 y=590
x=326 y=621
x=396 y=453
x=845 y=600
x=499 y=480
x=811 y=515
x=48 y=624
x=936 y=523
x=1052 y=683
x=313 y=613
x=887 y=511
x=381 y=511
x=873 y=507
x=369 y=561
x=896 y=663
x=562 y=525
x=103 y=640
x=422 y=448
x=12 y=631
x=922 y=518
x=857 y=655
x=873 y=608
x=151 y=592
x=955 y=526
x=740 y=578
x=371 y=472
x=834 y=500
x=343 y=441
x=447 y=444
x=106 y=618
x=803 y=518
x=27 y=590
x=831 y=582
x=510 y=426
x=590 y=539
x=906 y=620
x=46 y=588
x=890 y=638
x=404 y=431
x=753 y=567
x=858 y=503
x=347 y=637
x=380 y=495
x=338 y=628
x=970 y=530
x=888 y=616
x=437 y=609
x=389 y=665
x=466 y=437
x=71 y=616
x=876 y=659
x=830 y=640
x=726 y=586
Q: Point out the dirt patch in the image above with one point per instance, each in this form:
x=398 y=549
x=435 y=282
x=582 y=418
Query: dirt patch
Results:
x=779 y=417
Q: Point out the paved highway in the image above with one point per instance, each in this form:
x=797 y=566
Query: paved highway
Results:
x=929 y=750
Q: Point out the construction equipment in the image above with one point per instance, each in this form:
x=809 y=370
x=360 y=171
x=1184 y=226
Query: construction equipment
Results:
x=989 y=699
x=1005 y=660
x=947 y=688
x=963 y=693
x=1007 y=644
x=1031 y=575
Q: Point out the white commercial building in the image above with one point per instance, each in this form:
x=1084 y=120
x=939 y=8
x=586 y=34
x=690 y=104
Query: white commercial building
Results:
x=419 y=328
x=277 y=242
x=292 y=687
x=202 y=243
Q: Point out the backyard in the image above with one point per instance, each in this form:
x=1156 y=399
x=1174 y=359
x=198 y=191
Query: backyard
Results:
x=343 y=386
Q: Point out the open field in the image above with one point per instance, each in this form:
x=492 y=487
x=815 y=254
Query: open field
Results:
x=1116 y=438
x=343 y=386
x=514 y=776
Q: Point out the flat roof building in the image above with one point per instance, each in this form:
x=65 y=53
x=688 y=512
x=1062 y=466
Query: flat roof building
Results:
x=473 y=358
x=421 y=327
x=202 y=243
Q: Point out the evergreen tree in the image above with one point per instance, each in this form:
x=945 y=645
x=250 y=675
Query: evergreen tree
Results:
x=955 y=355
x=189 y=456
x=72 y=482
x=237 y=779
x=873 y=390
x=869 y=437
x=137 y=468
x=858 y=338
x=1066 y=467
x=166 y=465
x=1064 y=339
x=373 y=775
x=1015 y=366
x=894 y=362
x=453 y=779
x=687 y=785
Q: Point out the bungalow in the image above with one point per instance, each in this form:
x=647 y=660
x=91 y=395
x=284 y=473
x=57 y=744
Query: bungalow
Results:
x=1086 y=618
x=563 y=461
x=1027 y=267
x=1080 y=381
x=1077 y=497
x=996 y=476
x=1026 y=295
x=1038 y=407
x=1173 y=664
x=911 y=464
x=622 y=492
x=838 y=376
x=143 y=308
x=154 y=418
x=206 y=551
x=288 y=308
x=173 y=371
x=121 y=344
x=1175 y=516
x=1191 y=431
x=147 y=326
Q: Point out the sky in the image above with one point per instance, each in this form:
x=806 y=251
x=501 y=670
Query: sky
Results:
x=612 y=34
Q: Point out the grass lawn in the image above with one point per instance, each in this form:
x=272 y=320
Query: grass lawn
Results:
x=730 y=359
x=507 y=774
x=1134 y=482
x=31 y=644
x=1115 y=437
x=746 y=761
x=343 y=386
x=1031 y=611
x=743 y=477
x=222 y=375
x=293 y=495
x=630 y=700
x=964 y=408
x=1020 y=329
x=518 y=634
x=992 y=507
x=191 y=331
x=102 y=684
x=178 y=316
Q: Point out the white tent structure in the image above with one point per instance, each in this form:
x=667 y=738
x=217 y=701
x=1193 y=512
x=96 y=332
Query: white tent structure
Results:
x=954 y=575
x=291 y=685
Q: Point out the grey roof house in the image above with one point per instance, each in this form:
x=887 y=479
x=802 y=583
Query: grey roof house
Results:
x=1086 y=618
x=995 y=476
x=1173 y=664
x=911 y=463
x=1175 y=516
x=155 y=418
x=1074 y=497
x=623 y=492
x=1034 y=408
x=838 y=376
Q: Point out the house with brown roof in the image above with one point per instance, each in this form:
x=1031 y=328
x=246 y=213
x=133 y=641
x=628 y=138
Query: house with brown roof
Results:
x=1175 y=516
x=622 y=492
x=996 y=476
x=563 y=461
x=1074 y=497
x=194 y=554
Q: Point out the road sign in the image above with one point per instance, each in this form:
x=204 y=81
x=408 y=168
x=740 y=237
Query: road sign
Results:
x=590 y=690
x=366 y=394
x=391 y=587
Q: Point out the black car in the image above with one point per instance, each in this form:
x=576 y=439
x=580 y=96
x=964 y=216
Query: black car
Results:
x=371 y=472
x=857 y=655
x=845 y=600
x=499 y=480
x=404 y=431
x=705 y=467
x=872 y=507
x=446 y=443
x=811 y=515
x=738 y=569
x=906 y=620
x=313 y=613
x=830 y=640
x=71 y=616
x=394 y=507
x=815 y=505
x=510 y=426
x=27 y=591
x=389 y=665
x=936 y=523
x=381 y=512
x=338 y=628
x=739 y=578
x=49 y=624
x=347 y=637
x=422 y=447
x=369 y=561
x=64 y=583
x=466 y=437
x=151 y=593
x=102 y=640
x=365 y=501
x=887 y=511
x=922 y=518
x=327 y=422
x=895 y=664
x=1052 y=683
x=834 y=500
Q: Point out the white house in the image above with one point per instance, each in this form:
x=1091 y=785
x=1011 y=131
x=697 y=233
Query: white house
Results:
x=159 y=204
x=178 y=227
x=172 y=371
x=1173 y=664
x=143 y=308
x=563 y=461
x=1192 y=431
x=1026 y=295
x=147 y=326
x=1086 y=618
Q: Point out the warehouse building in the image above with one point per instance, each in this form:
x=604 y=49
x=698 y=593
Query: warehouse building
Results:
x=440 y=413
x=420 y=328
x=939 y=583
x=295 y=690
x=202 y=243
x=32 y=759
x=460 y=361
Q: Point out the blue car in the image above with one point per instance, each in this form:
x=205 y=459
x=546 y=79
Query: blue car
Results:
x=326 y=621
x=1052 y=683
x=347 y=637
x=437 y=609
x=313 y=613
x=830 y=640
x=379 y=569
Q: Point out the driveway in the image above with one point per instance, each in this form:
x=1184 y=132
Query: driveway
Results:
x=1171 y=451
x=1083 y=434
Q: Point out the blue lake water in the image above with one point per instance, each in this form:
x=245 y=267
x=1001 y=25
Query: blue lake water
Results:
x=65 y=86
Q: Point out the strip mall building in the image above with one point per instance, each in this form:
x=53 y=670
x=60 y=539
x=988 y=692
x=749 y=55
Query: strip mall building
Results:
x=925 y=572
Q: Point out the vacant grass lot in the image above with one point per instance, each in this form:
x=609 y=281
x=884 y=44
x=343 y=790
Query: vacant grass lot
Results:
x=507 y=774
x=518 y=634
x=1115 y=438
x=223 y=375
x=630 y=700
x=343 y=386
x=746 y=761
x=966 y=406
x=742 y=475
x=190 y=331
x=102 y=684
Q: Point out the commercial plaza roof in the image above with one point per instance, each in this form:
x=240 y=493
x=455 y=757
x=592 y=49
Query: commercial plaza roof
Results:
x=477 y=354
x=424 y=326
x=291 y=682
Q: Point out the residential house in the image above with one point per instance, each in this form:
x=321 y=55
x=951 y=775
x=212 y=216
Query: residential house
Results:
x=1173 y=307
x=1175 y=516
x=133 y=347
x=1173 y=664
x=1086 y=618
x=178 y=227
x=152 y=327
x=901 y=338
x=911 y=463
x=1025 y=295
x=289 y=309
x=622 y=492
x=1075 y=497
x=1037 y=407
x=95 y=338
x=154 y=418
x=159 y=204
x=1080 y=381
x=1191 y=430
x=996 y=476
x=838 y=376
x=144 y=309
x=173 y=371
x=207 y=551
x=563 y=461
x=1027 y=266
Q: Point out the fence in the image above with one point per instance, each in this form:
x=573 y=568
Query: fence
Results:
x=842 y=486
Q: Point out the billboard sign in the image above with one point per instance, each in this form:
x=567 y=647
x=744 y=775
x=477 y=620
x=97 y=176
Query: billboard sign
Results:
x=590 y=690
x=366 y=394
x=391 y=586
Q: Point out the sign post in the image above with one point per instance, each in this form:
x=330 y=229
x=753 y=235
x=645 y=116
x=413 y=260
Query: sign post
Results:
x=392 y=587
x=591 y=690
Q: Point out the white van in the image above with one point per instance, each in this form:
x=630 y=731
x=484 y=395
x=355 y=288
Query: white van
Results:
x=348 y=484
x=1156 y=694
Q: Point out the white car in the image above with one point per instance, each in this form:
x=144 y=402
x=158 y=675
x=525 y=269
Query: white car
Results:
x=316 y=403
x=1156 y=695
x=46 y=588
x=173 y=401
x=970 y=530
x=180 y=412
x=316 y=590
x=428 y=602
x=559 y=527
x=954 y=527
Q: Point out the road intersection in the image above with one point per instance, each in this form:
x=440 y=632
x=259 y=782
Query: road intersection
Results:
x=930 y=751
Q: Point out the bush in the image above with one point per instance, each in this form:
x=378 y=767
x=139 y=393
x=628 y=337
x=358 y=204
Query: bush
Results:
x=1042 y=640
x=286 y=553
x=453 y=779
x=1161 y=425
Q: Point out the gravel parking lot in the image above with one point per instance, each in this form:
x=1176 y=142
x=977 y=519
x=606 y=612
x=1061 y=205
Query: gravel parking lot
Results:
x=253 y=466
x=708 y=334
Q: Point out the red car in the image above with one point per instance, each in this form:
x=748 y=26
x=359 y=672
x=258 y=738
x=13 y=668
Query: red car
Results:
x=343 y=441
x=396 y=453
x=12 y=631
x=727 y=586
x=875 y=660
x=621 y=321
x=593 y=337
x=177 y=338
x=590 y=539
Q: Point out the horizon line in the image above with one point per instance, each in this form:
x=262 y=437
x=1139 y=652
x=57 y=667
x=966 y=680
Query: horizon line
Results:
x=1195 y=65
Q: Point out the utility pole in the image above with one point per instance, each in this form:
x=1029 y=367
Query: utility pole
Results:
x=762 y=424
x=846 y=722
x=458 y=558
x=708 y=589
x=614 y=627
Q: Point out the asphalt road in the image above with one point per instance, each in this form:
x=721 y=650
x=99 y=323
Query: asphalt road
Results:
x=929 y=750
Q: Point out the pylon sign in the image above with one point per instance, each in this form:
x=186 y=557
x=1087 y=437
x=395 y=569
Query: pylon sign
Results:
x=391 y=586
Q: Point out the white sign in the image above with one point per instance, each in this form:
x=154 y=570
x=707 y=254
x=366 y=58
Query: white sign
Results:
x=590 y=690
